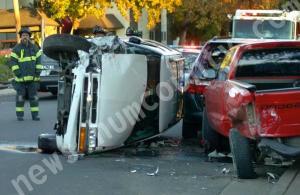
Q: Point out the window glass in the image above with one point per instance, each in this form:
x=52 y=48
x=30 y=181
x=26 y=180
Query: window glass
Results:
x=266 y=29
x=269 y=62
x=210 y=57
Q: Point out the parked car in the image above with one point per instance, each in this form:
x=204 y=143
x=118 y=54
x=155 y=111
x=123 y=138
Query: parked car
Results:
x=190 y=53
x=112 y=92
x=49 y=75
x=253 y=105
x=211 y=55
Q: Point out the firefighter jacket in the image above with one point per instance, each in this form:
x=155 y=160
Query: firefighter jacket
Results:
x=25 y=62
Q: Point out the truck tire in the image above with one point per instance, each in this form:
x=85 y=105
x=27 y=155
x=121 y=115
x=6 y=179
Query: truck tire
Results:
x=189 y=130
x=210 y=137
x=241 y=155
x=47 y=143
x=64 y=44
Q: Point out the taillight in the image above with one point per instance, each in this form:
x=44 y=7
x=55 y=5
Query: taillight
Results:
x=197 y=86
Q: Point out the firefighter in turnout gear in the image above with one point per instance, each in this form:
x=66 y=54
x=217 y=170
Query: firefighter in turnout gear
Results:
x=25 y=62
x=98 y=31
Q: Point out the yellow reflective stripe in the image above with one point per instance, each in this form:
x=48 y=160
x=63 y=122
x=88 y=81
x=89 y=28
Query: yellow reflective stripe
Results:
x=38 y=54
x=28 y=78
x=19 y=109
x=22 y=53
x=19 y=79
x=15 y=67
x=14 y=55
x=27 y=59
x=39 y=66
x=34 y=109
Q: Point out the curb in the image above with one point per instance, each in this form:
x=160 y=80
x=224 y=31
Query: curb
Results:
x=7 y=92
x=286 y=180
x=3 y=86
x=247 y=187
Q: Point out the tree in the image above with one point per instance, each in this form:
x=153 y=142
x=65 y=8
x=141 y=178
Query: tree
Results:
x=77 y=9
x=205 y=19
x=197 y=18
x=251 y=4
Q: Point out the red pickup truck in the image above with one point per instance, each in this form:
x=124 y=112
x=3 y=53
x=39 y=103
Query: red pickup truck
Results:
x=253 y=105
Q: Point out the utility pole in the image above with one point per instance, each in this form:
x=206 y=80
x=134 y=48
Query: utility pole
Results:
x=17 y=18
x=164 y=26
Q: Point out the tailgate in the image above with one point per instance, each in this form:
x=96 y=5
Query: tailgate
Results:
x=278 y=112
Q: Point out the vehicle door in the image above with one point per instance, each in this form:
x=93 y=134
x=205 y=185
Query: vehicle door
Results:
x=170 y=90
x=215 y=94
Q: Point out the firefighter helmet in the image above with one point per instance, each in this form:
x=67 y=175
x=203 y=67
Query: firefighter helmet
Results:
x=25 y=30
x=98 y=30
x=129 y=31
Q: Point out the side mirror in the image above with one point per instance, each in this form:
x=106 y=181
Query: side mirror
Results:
x=209 y=73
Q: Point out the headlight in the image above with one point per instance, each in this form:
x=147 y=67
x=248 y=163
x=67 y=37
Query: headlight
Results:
x=92 y=139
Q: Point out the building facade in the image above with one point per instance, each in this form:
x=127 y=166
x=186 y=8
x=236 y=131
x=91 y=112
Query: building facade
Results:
x=113 y=21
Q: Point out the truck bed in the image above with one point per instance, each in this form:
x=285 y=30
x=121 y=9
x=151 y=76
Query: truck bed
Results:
x=272 y=83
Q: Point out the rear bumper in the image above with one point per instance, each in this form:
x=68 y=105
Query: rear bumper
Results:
x=267 y=144
x=193 y=108
x=48 y=83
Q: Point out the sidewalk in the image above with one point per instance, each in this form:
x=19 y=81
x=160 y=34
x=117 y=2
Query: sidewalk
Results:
x=287 y=184
x=7 y=91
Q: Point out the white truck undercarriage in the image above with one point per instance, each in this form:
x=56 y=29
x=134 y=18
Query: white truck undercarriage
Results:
x=112 y=92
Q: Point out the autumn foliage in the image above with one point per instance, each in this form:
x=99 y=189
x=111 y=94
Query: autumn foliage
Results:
x=203 y=19
x=77 y=9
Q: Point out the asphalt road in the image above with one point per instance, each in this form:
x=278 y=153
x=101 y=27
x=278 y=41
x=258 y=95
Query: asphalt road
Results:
x=178 y=168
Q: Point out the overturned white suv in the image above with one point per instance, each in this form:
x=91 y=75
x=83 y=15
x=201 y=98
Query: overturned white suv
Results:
x=112 y=92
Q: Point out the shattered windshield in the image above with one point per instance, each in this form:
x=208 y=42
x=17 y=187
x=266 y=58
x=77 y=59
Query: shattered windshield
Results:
x=189 y=60
x=211 y=57
x=270 y=62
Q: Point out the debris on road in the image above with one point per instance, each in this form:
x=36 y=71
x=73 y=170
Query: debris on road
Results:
x=216 y=154
x=149 y=170
x=74 y=157
x=272 y=177
x=133 y=171
x=120 y=160
x=225 y=171
x=172 y=173
x=154 y=173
